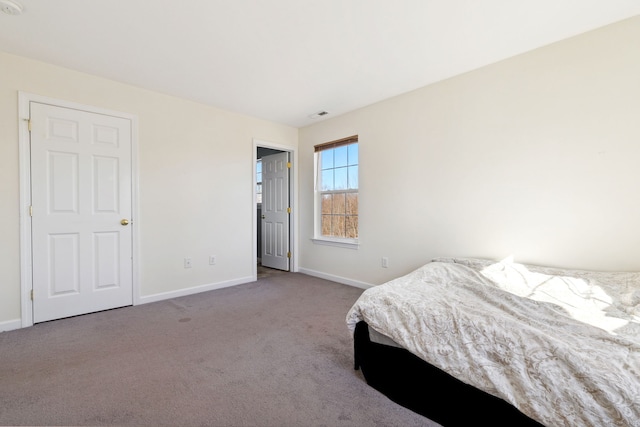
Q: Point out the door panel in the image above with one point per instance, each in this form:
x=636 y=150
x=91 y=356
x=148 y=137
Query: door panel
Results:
x=64 y=264
x=275 y=204
x=81 y=190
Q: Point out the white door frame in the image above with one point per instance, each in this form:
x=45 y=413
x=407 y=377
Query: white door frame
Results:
x=26 y=277
x=293 y=201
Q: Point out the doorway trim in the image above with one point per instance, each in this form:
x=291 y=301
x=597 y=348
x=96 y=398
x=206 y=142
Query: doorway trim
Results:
x=26 y=274
x=293 y=201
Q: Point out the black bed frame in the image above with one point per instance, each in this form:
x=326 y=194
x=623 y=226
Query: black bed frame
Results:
x=413 y=383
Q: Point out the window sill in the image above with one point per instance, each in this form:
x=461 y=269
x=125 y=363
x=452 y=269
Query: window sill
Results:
x=349 y=244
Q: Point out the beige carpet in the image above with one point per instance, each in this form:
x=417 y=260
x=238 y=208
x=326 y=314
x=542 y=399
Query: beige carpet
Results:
x=275 y=352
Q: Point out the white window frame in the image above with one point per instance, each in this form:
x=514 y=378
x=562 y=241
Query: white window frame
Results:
x=343 y=242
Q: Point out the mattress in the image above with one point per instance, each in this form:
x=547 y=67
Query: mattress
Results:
x=380 y=338
x=561 y=346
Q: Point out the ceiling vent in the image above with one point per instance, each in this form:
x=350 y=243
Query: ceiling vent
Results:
x=318 y=114
x=11 y=7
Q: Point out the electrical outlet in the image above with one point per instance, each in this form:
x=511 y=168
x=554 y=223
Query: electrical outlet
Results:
x=212 y=260
x=384 y=262
x=187 y=263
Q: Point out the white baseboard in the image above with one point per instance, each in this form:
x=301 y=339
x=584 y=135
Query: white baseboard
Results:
x=338 y=279
x=194 y=290
x=10 y=325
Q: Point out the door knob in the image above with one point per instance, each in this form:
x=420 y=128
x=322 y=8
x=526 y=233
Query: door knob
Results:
x=263 y=217
x=124 y=222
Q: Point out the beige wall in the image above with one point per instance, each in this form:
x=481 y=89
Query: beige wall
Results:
x=536 y=156
x=195 y=179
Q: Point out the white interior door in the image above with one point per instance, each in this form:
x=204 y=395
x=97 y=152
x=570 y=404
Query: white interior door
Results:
x=81 y=201
x=275 y=211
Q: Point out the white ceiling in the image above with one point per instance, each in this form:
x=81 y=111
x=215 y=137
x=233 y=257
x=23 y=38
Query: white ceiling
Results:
x=283 y=60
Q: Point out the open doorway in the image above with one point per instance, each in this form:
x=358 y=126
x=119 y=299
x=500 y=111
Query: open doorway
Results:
x=273 y=237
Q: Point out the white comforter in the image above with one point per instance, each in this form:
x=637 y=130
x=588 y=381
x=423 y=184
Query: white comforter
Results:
x=562 y=346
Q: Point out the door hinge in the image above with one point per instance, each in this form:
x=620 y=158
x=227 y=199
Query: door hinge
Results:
x=29 y=124
x=288 y=210
x=31 y=294
x=288 y=163
x=31 y=210
x=288 y=254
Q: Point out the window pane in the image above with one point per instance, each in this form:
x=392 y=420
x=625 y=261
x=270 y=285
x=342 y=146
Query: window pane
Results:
x=340 y=177
x=326 y=225
x=340 y=156
x=326 y=203
x=353 y=154
x=352 y=204
x=353 y=177
x=326 y=160
x=259 y=181
x=339 y=204
x=337 y=226
x=351 y=226
x=259 y=193
x=326 y=181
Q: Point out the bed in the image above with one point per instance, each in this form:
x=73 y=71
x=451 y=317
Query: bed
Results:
x=467 y=341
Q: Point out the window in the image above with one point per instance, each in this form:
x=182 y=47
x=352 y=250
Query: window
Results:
x=259 y=181
x=337 y=190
